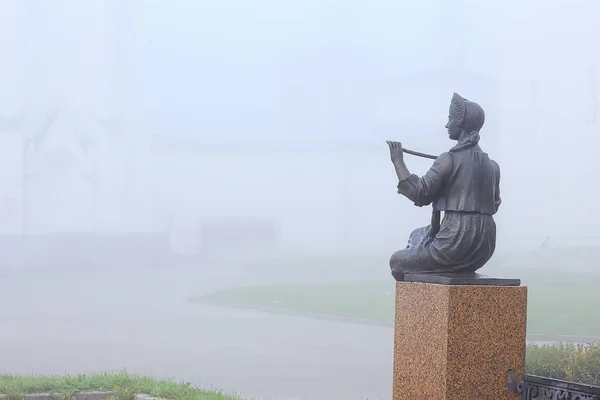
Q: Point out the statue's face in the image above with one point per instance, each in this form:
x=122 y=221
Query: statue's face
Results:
x=453 y=129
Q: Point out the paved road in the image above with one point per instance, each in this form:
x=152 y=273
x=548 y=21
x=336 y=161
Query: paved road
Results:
x=65 y=322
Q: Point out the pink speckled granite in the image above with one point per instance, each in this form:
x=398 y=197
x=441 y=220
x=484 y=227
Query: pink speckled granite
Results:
x=458 y=342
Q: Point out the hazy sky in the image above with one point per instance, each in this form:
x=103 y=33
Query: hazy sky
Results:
x=276 y=68
x=326 y=67
x=250 y=73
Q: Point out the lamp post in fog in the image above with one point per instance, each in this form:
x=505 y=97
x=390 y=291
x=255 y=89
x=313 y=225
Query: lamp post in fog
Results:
x=24 y=185
x=346 y=193
x=91 y=175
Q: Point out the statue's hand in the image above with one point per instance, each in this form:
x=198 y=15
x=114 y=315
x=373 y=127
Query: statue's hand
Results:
x=396 y=153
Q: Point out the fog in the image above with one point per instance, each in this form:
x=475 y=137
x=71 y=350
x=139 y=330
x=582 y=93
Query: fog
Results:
x=175 y=143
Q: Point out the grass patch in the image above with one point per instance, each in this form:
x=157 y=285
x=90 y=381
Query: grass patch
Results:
x=365 y=300
x=559 y=303
x=126 y=386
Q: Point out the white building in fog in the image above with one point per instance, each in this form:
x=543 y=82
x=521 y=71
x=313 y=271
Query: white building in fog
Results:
x=68 y=166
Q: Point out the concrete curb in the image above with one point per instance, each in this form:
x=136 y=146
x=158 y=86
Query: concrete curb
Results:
x=80 y=396
x=142 y=396
x=77 y=396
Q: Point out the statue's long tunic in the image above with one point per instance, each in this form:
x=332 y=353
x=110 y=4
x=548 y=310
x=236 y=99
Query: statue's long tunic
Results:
x=463 y=183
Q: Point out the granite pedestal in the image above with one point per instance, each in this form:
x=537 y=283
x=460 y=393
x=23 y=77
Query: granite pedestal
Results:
x=458 y=337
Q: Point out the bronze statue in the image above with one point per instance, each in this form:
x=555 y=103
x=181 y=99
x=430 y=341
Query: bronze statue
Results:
x=463 y=183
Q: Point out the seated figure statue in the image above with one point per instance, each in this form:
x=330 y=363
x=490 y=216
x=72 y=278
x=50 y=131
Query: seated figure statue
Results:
x=463 y=183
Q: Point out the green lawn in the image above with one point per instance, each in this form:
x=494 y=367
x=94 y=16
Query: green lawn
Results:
x=559 y=303
x=367 y=300
x=126 y=386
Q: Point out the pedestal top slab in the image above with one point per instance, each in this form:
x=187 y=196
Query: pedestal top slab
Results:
x=461 y=279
